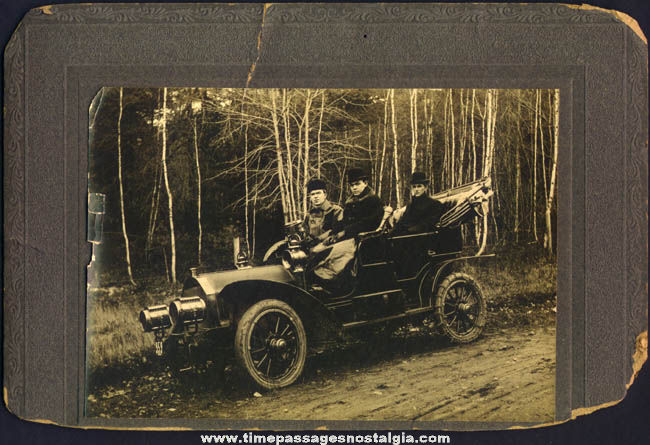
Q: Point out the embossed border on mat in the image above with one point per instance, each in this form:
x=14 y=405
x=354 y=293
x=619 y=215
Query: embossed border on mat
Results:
x=613 y=170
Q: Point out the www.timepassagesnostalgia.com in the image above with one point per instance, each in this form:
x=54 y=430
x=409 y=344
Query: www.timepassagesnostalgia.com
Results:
x=389 y=437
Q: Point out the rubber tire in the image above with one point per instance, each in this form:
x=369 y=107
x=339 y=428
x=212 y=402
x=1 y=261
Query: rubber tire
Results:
x=441 y=295
x=245 y=328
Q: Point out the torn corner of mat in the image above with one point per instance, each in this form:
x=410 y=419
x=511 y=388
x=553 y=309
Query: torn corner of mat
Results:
x=578 y=412
x=47 y=9
x=623 y=17
x=640 y=355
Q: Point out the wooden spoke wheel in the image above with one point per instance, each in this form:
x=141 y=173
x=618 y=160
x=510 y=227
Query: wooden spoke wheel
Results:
x=460 y=309
x=271 y=344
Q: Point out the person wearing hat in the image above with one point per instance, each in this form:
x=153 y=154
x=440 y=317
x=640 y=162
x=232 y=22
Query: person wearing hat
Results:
x=363 y=212
x=423 y=212
x=322 y=214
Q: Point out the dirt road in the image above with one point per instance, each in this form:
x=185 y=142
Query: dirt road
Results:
x=506 y=375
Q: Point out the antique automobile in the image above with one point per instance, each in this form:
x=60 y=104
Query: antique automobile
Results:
x=273 y=316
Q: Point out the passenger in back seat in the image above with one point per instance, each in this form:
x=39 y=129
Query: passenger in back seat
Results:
x=423 y=212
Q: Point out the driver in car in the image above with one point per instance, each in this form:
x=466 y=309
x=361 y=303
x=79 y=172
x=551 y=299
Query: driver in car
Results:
x=322 y=215
x=362 y=212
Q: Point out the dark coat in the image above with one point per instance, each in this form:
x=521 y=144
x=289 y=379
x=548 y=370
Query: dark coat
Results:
x=421 y=215
x=361 y=213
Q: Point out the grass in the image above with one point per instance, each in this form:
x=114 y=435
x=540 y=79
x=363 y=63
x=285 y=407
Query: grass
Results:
x=519 y=286
x=523 y=278
x=115 y=338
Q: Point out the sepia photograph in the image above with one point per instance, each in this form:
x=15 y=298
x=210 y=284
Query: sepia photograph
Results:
x=322 y=254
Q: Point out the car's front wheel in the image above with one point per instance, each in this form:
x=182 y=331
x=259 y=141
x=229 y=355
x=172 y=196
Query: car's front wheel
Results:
x=271 y=344
x=460 y=309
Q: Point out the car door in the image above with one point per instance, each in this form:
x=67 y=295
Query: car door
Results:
x=378 y=293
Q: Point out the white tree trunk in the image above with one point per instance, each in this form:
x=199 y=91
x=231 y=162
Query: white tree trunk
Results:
x=443 y=171
x=305 y=176
x=535 y=166
x=429 y=152
x=246 y=225
x=491 y=103
x=452 y=155
x=119 y=174
x=252 y=253
x=484 y=232
x=463 y=137
x=414 y=127
x=373 y=173
x=398 y=182
x=541 y=150
x=198 y=191
x=383 y=150
x=517 y=167
x=167 y=188
x=551 y=194
x=280 y=163
x=320 y=127
x=473 y=137
x=288 y=173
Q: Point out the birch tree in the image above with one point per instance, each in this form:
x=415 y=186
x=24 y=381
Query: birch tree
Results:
x=534 y=200
x=452 y=154
x=398 y=182
x=280 y=163
x=119 y=174
x=383 y=150
x=548 y=240
x=473 y=137
x=167 y=188
x=491 y=112
x=305 y=176
x=288 y=174
x=520 y=141
x=196 y=107
x=413 y=97
x=320 y=129
x=246 y=192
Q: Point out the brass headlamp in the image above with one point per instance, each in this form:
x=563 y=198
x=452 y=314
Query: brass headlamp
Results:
x=294 y=258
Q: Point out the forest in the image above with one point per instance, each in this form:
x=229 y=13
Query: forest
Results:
x=184 y=170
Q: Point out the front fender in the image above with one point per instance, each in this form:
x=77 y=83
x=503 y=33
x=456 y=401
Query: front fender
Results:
x=214 y=282
x=241 y=295
x=274 y=248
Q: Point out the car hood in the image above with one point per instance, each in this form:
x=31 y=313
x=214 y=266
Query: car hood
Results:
x=214 y=282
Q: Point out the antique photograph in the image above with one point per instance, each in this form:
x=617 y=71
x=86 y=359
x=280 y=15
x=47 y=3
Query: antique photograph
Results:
x=322 y=254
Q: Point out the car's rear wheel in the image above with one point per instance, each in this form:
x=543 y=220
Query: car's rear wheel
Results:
x=271 y=344
x=460 y=308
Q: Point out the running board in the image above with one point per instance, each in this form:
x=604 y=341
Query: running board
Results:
x=409 y=313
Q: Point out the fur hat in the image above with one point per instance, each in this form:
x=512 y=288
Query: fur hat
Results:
x=316 y=184
x=357 y=174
